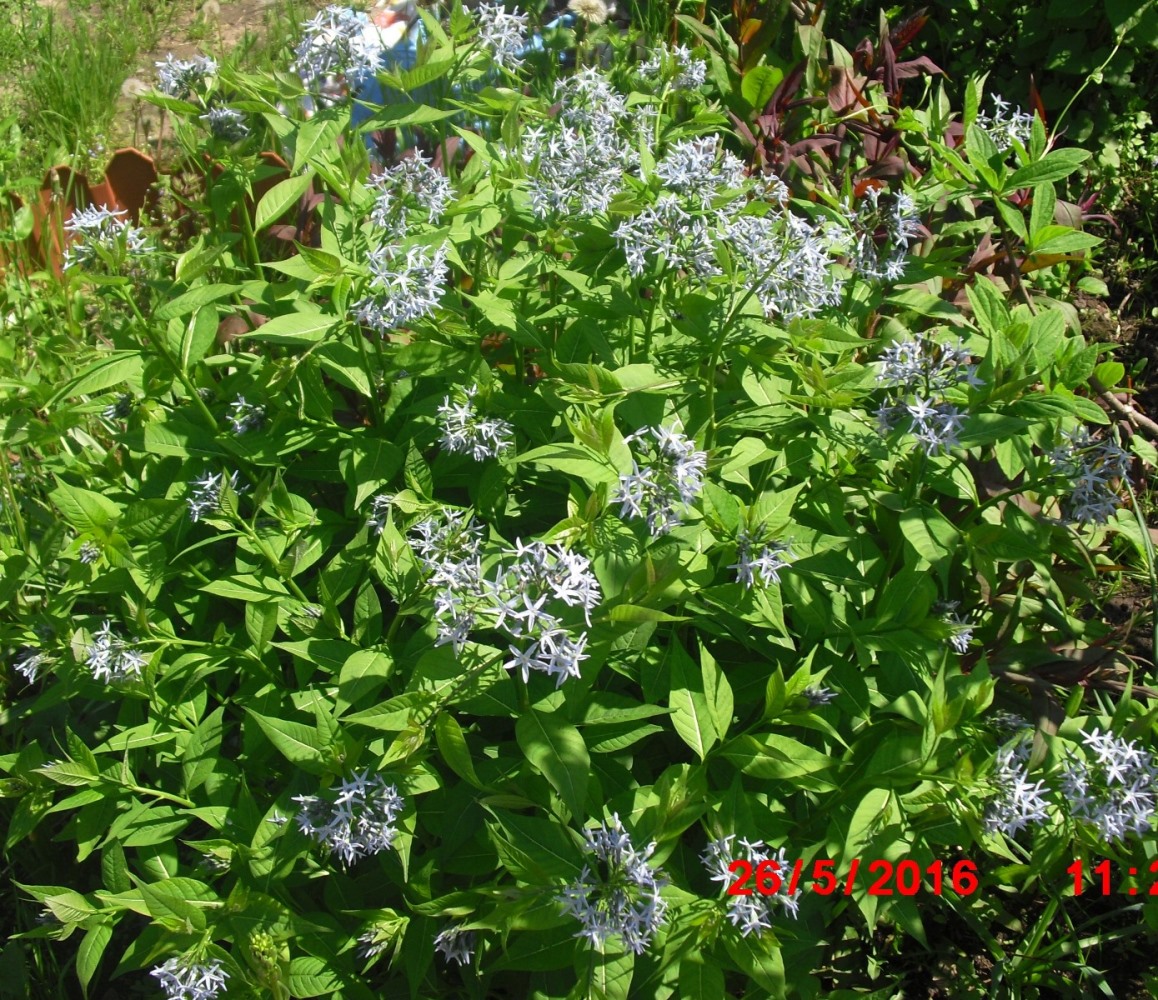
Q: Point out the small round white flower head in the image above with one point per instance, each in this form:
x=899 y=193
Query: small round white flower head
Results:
x=593 y=11
x=356 y=822
x=790 y=260
x=917 y=370
x=205 y=497
x=617 y=895
x=89 y=553
x=99 y=228
x=751 y=914
x=244 y=417
x=883 y=230
x=1112 y=789
x=464 y=432
x=1094 y=469
x=503 y=34
x=181 y=78
x=449 y=546
x=759 y=559
x=455 y=945
x=689 y=168
x=337 y=41
x=29 y=663
x=667 y=471
x=226 y=123
x=576 y=161
x=1019 y=801
x=677 y=65
x=110 y=658
x=402 y=291
x=962 y=628
x=1006 y=125
x=182 y=980
x=684 y=241
x=411 y=184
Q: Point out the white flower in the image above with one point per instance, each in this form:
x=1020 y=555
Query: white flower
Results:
x=677 y=65
x=464 y=432
x=29 y=663
x=359 y=822
x=100 y=228
x=504 y=34
x=1114 y=792
x=1005 y=126
x=1020 y=802
x=1093 y=467
x=769 y=559
x=110 y=658
x=409 y=184
x=402 y=291
x=594 y=11
x=962 y=628
x=671 y=474
x=206 y=495
x=90 y=552
x=379 y=512
x=751 y=914
x=620 y=896
x=244 y=417
x=226 y=123
x=818 y=696
x=883 y=234
x=338 y=41
x=455 y=945
x=576 y=161
x=181 y=78
x=184 y=981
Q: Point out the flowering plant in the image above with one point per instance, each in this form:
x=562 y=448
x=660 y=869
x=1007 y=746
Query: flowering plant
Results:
x=581 y=508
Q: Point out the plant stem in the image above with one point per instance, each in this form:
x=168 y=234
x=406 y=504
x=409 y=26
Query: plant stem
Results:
x=159 y=346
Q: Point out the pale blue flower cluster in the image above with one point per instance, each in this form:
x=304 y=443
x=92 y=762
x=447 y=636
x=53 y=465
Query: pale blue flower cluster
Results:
x=244 y=416
x=576 y=161
x=180 y=78
x=674 y=65
x=751 y=914
x=503 y=34
x=1006 y=125
x=190 y=981
x=1094 y=468
x=667 y=472
x=110 y=658
x=455 y=945
x=336 y=42
x=99 y=228
x=226 y=123
x=359 y=821
x=403 y=287
x=524 y=597
x=205 y=497
x=1111 y=790
x=464 y=432
x=618 y=894
x=883 y=230
x=918 y=370
x=1019 y=801
x=411 y=183
x=759 y=559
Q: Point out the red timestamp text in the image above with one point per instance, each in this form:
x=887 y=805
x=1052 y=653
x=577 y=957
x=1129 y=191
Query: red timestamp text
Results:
x=878 y=878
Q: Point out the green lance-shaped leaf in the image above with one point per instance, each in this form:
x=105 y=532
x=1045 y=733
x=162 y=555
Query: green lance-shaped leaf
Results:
x=692 y=714
x=557 y=749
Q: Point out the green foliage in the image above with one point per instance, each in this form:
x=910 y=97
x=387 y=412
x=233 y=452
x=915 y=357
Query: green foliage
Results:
x=474 y=511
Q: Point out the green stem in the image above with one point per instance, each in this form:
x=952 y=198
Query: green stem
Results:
x=12 y=504
x=250 y=235
x=159 y=346
x=375 y=405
